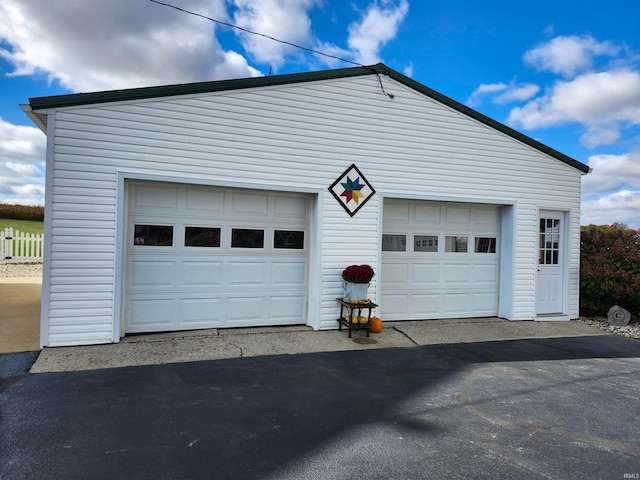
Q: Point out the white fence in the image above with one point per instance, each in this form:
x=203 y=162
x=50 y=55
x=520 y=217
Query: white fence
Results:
x=20 y=246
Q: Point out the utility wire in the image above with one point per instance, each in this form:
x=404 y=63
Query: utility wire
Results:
x=258 y=34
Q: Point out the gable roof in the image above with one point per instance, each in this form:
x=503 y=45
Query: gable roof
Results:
x=43 y=103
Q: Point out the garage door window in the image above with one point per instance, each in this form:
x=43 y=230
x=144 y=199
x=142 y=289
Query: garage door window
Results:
x=247 y=238
x=456 y=244
x=288 y=239
x=485 y=245
x=201 y=237
x=394 y=243
x=153 y=235
x=425 y=243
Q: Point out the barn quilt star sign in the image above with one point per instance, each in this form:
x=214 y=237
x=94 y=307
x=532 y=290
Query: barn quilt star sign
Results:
x=352 y=190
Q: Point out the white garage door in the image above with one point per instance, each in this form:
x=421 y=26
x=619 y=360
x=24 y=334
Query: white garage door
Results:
x=439 y=260
x=205 y=257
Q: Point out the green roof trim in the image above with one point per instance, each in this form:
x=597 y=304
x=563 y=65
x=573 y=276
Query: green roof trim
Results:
x=75 y=99
x=58 y=101
x=487 y=120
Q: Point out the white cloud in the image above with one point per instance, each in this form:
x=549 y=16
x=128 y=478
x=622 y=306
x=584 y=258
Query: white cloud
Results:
x=377 y=27
x=568 y=55
x=598 y=135
x=611 y=192
x=89 y=46
x=329 y=48
x=611 y=172
x=518 y=93
x=22 y=163
x=286 y=20
x=17 y=141
x=485 y=89
x=408 y=70
x=508 y=93
x=597 y=100
x=618 y=207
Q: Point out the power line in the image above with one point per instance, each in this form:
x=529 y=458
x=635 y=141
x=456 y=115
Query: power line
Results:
x=258 y=34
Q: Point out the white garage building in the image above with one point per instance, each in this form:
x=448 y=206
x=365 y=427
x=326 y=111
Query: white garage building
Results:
x=239 y=203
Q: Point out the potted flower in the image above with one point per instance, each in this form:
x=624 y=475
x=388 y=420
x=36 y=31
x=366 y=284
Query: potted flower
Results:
x=356 y=282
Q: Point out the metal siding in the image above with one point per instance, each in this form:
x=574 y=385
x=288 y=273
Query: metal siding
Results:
x=300 y=134
x=345 y=241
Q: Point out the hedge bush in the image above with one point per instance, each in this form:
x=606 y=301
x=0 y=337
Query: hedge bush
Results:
x=609 y=269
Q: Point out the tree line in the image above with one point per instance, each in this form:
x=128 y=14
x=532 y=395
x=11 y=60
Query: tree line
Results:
x=22 y=212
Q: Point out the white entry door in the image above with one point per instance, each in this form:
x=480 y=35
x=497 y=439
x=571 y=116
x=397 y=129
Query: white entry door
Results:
x=550 y=281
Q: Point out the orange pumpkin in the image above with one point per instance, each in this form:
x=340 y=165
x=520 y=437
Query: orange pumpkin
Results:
x=376 y=325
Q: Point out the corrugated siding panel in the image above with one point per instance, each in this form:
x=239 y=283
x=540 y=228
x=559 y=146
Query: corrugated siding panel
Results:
x=302 y=134
x=345 y=241
x=526 y=260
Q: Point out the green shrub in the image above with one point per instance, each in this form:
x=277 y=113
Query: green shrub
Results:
x=22 y=212
x=609 y=269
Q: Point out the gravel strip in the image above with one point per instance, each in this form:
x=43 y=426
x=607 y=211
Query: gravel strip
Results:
x=632 y=330
x=15 y=269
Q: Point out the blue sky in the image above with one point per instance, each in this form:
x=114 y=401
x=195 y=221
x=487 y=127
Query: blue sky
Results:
x=566 y=73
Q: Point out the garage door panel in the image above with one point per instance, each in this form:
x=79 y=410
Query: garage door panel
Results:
x=485 y=302
x=246 y=310
x=426 y=305
x=200 y=312
x=397 y=213
x=456 y=304
x=152 y=273
x=243 y=203
x=458 y=215
x=455 y=273
x=247 y=273
x=428 y=214
x=288 y=273
x=204 y=202
x=155 y=199
x=285 y=207
x=202 y=273
x=487 y=217
x=395 y=304
x=150 y=314
x=426 y=273
x=288 y=308
x=395 y=273
x=485 y=273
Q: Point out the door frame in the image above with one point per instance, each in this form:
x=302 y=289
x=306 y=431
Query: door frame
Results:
x=314 y=262
x=564 y=252
x=437 y=230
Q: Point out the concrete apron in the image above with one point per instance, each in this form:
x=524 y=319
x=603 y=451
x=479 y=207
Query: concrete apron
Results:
x=20 y=314
x=251 y=342
x=20 y=332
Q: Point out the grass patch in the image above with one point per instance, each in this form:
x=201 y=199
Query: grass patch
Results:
x=26 y=226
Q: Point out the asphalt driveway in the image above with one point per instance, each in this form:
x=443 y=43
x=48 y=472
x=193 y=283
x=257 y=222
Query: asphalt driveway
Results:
x=554 y=408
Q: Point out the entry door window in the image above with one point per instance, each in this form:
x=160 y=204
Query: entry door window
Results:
x=549 y=241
